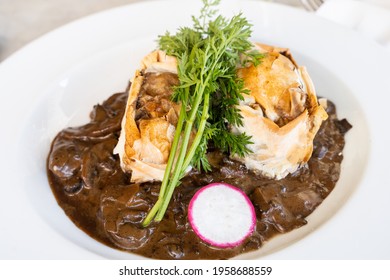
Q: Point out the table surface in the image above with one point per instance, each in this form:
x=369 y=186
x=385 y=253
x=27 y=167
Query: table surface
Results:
x=22 y=21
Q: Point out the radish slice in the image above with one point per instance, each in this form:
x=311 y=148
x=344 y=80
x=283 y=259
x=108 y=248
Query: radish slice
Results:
x=221 y=215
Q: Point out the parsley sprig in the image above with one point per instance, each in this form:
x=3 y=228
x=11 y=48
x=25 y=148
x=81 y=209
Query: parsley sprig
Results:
x=208 y=55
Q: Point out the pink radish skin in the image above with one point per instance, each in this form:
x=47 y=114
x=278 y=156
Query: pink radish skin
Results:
x=224 y=190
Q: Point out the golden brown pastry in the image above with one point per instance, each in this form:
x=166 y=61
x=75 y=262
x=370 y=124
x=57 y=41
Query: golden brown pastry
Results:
x=281 y=113
x=148 y=125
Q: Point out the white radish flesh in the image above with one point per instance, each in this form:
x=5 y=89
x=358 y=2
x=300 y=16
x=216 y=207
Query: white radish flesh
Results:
x=221 y=215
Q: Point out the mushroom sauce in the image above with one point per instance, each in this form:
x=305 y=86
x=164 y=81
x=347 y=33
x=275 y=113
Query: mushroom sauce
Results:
x=90 y=186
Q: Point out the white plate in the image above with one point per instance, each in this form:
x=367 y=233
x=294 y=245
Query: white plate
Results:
x=54 y=82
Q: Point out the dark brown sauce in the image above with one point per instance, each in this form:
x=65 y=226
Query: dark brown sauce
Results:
x=91 y=188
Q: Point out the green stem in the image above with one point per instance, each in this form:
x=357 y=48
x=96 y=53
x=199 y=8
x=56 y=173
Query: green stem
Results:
x=184 y=160
x=183 y=150
x=168 y=169
x=199 y=134
x=172 y=153
x=167 y=187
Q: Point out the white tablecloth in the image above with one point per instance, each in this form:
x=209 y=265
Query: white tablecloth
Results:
x=370 y=18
